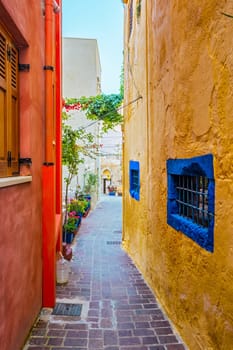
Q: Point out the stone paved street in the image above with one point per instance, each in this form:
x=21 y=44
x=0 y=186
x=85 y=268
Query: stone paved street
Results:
x=119 y=311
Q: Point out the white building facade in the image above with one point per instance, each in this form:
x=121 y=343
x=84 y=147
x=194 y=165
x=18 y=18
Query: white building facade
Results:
x=82 y=77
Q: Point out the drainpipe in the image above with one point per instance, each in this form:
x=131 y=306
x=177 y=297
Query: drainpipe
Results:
x=48 y=170
x=58 y=128
x=49 y=75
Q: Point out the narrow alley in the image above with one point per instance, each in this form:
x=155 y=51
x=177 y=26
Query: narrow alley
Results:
x=118 y=309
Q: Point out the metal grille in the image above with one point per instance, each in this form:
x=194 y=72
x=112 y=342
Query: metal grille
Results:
x=135 y=180
x=192 y=198
x=64 y=309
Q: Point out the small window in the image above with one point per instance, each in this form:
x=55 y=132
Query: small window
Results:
x=134 y=179
x=190 y=206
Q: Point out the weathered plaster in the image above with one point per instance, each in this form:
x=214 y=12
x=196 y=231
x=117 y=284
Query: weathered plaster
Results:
x=20 y=204
x=181 y=62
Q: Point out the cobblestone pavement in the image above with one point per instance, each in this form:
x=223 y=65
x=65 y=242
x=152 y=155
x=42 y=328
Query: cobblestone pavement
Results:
x=119 y=311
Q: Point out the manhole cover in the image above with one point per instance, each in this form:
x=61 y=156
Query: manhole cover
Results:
x=67 y=309
x=113 y=242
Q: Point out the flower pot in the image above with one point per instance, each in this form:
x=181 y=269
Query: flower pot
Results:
x=68 y=237
x=67 y=252
x=112 y=193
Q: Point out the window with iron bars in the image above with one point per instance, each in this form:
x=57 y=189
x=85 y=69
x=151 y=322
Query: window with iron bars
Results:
x=190 y=206
x=192 y=198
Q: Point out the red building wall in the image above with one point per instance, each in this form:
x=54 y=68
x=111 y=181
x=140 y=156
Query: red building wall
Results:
x=21 y=205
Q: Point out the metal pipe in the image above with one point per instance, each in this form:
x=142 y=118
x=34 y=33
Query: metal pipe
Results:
x=49 y=76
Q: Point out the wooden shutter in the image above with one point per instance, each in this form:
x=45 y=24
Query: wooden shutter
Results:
x=9 y=116
x=3 y=106
x=13 y=122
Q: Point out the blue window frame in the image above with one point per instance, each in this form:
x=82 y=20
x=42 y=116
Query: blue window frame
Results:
x=190 y=200
x=134 y=179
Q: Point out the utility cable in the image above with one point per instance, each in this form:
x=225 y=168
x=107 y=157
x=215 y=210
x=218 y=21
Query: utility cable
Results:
x=113 y=110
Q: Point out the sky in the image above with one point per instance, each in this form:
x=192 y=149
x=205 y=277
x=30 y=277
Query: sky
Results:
x=101 y=20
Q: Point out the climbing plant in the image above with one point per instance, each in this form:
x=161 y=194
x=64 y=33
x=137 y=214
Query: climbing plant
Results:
x=102 y=107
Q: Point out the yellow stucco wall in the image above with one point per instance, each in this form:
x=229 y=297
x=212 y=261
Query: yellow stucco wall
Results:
x=179 y=57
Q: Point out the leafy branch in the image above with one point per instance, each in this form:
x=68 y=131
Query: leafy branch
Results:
x=100 y=108
x=76 y=144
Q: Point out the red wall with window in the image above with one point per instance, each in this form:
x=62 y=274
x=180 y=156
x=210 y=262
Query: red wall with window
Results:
x=21 y=198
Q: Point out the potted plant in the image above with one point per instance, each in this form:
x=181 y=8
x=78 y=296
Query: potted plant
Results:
x=75 y=144
x=69 y=229
x=77 y=217
x=112 y=190
x=77 y=205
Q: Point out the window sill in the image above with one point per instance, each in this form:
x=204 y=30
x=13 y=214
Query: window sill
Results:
x=17 y=180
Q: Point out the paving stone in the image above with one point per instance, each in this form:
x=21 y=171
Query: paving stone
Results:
x=121 y=312
x=126 y=325
x=95 y=333
x=106 y=313
x=95 y=344
x=55 y=341
x=80 y=326
x=160 y=324
x=150 y=340
x=93 y=313
x=77 y=334
x=110 y=337
x=140 y=347
x=38 y=332
x=167 y=339
x=38 y=348
x=68 y=348
x=143 y=332
x=94 y=305
x=38 y=341
x=164 y=331
x=175 y=347
x=123 y=319
x=75 y=342
x=55 y=326
x=142 y=325
x=56 y=333
x=129 y=341
x=125 y=333
x=106 y=323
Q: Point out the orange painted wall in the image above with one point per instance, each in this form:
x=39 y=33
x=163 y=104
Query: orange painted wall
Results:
x=20 y=205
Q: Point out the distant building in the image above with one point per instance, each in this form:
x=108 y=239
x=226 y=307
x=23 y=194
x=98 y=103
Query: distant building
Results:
x=82 y=77
x=111 y=160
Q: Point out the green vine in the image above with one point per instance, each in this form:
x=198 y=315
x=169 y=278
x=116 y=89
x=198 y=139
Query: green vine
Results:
x=101 y=107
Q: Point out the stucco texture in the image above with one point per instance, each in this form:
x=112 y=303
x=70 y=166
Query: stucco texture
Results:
x=181 y=62
x=20 y=205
